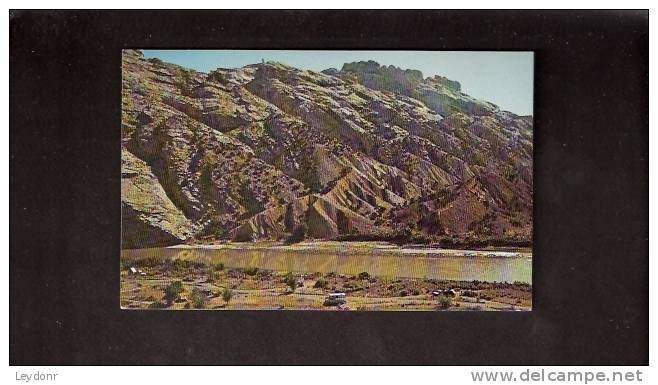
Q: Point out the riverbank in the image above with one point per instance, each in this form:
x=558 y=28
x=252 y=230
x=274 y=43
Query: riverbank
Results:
x=194 y=284
x=379 y=259
x=370 y=246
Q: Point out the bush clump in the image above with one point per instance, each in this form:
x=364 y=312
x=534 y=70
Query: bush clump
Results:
x=157 y=305
x=290 y=281
x=227 y=294
x=321 y=283
x=199 y=300
x=217 y=76
x=172 y=291
x=444 y=302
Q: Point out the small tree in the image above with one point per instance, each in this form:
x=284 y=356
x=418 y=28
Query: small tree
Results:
x=291 y=281
x=172 y=292
x=445 y=302
x=227 y=294
x=198 y=299
x=184 y=85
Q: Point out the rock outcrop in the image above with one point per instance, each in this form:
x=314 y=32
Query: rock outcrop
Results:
x=149 y=218
x=267 y=150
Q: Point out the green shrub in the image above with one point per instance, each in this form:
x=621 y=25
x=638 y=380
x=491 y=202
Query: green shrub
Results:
x=173 y=290
x=251 y=271
x=150 y=262
x=185 y=83
x=157 y=305
x=186 y=264
x=217 y=76
x=219 y=266
x=487 y=295
x=445 y=302
x=227 y=294
x=321 y=283
x=290 y=281
x=364 y=275
x=198 y=299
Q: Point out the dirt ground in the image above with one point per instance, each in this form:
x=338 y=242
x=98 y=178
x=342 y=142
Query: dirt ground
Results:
x=215 y=287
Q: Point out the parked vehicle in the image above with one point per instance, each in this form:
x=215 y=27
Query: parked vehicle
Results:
x=445 y=292
x=335 y=299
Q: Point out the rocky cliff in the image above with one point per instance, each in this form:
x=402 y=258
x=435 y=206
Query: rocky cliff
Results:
x=268 y=151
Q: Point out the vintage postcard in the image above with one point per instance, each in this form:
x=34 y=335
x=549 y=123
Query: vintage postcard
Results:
x=326 y=180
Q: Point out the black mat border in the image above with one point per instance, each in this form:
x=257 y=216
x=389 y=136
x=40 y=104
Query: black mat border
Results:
x=591 y=194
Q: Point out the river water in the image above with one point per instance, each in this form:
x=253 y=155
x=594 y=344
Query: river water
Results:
x=353 y=258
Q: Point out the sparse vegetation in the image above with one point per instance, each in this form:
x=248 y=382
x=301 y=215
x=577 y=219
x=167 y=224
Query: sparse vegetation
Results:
x=321 y=283
x=290 y=281
x=210 y=274
x=227 y=294
x=157 y=305
x=445 y=302
x=155 y=60
x=216 y=76
x=172 y=291
x=412 y=293
x=185 y=82
x=198 y=299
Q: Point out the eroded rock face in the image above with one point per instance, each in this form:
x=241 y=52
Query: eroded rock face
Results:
x=148 y=217
x=265 y=150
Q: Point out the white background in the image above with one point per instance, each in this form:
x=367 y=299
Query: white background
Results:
x=276 y=375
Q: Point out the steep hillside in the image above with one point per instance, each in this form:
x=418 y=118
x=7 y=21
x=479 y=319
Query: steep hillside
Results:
x=269 y=151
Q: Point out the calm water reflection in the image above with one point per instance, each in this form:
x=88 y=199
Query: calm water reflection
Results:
x=393 y=262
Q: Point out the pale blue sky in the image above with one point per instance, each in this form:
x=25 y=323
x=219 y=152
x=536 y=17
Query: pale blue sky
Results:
x=503 y=78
